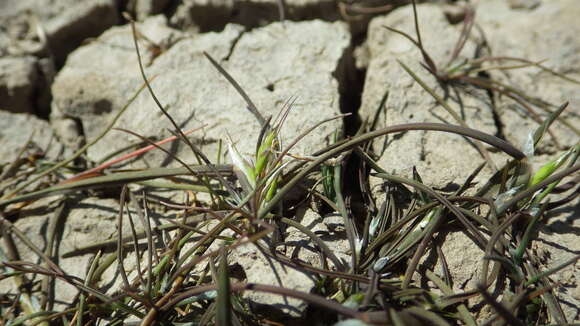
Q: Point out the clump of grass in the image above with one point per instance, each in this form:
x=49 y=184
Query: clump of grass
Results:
x=249 y=200
x=475 y=72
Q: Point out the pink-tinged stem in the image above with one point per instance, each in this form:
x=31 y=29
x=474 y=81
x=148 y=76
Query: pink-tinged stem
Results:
x=96 y=170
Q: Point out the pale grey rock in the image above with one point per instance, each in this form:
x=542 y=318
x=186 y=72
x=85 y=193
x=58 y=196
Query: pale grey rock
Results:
x=17 y=34
x=362 y=56
x=249 y=264
x=258 y=267
x=18 y=79
x=24 y=81
x=555 y=243
x=560 y=243
x=100 y=78
x=442 y=159
x=16 y=129
x=262 y=269
x=66 y=24
x=464 y=260
x=272 y=64
x=459 y=251
x=68 y=132
x=88 y=221
x=43 y=10
x=547 y=33
x=78 y=21
x=329 y=228
x=39 y=35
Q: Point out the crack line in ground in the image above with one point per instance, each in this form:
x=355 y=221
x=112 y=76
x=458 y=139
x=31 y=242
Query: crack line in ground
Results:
x=234 y=44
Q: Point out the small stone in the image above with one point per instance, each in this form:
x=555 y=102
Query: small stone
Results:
x=18 y=79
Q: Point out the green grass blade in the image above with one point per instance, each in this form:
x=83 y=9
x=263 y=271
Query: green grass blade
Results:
x=359 y=140
x=77 y=153
x=115 y=179
x=224 y=301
